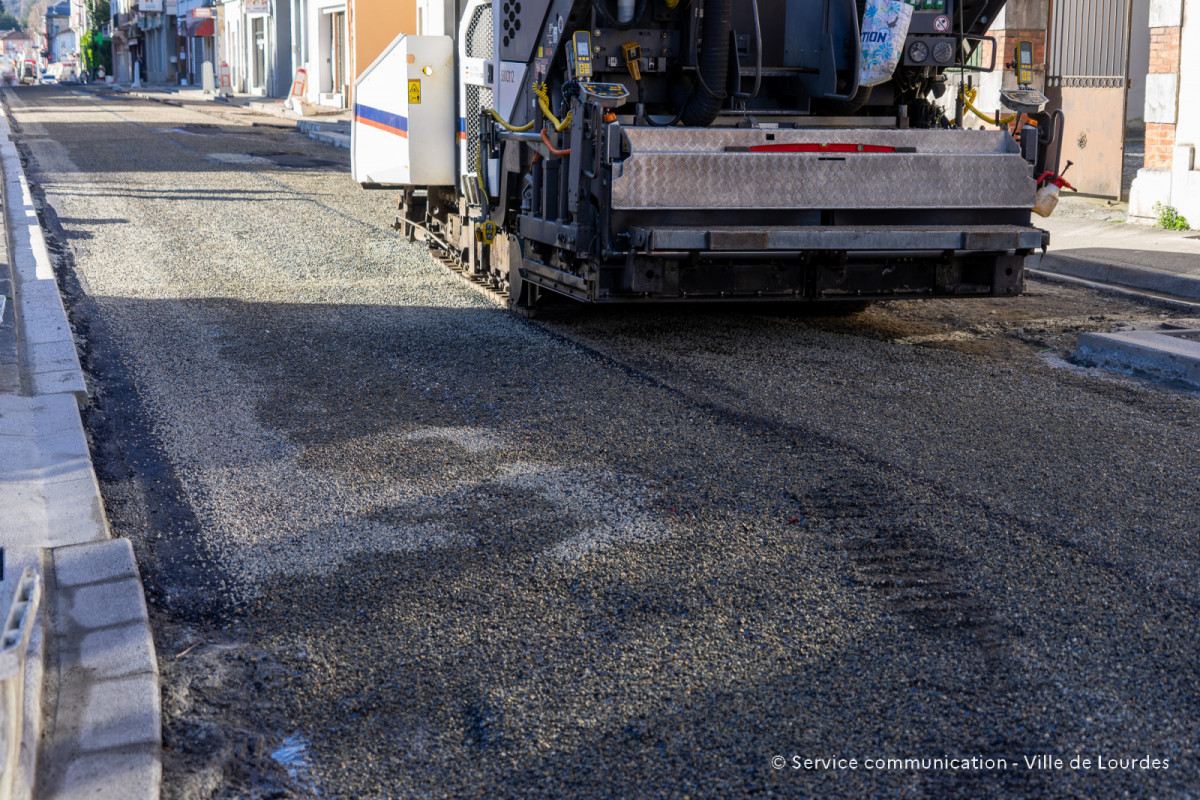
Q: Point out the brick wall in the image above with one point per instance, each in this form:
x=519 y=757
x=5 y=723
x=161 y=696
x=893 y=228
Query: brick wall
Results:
x=1164 y=60
x=1160 y=139
x=1164 y=50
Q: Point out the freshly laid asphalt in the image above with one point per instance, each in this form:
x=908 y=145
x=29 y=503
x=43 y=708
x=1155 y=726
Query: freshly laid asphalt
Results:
x=438 y=550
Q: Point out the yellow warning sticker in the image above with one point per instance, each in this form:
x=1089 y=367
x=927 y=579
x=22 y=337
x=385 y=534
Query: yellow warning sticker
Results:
x=414 y=92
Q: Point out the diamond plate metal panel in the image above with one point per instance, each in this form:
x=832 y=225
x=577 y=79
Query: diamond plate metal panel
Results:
x=689 y=169
x=716 y=140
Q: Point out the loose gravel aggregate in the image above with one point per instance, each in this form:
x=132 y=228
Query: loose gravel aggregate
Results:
x=400 y=543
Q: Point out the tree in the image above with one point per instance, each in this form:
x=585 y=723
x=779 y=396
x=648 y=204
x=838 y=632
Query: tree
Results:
x=99 y=13
x=35 y=15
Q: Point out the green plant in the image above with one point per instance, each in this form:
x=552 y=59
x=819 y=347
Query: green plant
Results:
x=1169 y=218
x=96 y=49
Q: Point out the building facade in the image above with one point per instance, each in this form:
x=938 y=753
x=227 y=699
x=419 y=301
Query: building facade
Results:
x=335 y=40
x=60 y=41
x=125 y=40
x=156 y=23
x=15 y=45
x=373 y=26
x=1170 y=176
x=325 y=51
x=254 y=43
x=196 y=30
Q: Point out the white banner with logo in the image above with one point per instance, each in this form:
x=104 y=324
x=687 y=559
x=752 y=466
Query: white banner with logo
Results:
x=884 y=29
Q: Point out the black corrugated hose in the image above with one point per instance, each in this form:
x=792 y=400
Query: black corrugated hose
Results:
x=712 y=65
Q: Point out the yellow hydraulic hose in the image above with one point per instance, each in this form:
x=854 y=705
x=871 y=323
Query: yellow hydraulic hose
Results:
x=968 y=96
x=543 y=97
x=505 y=124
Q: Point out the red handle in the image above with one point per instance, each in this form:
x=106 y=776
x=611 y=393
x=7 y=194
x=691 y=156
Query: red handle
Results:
x=1057 y=180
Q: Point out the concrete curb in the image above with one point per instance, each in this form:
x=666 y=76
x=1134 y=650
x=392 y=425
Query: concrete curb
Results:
x=104 y=735
x=1158 y=301
x=91 y=674
x=44 y=337
x=1170 y=356
x=336 y=139
x=1099 y=270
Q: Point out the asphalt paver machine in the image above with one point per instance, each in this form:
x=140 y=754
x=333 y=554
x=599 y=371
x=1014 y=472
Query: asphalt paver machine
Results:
x=706 y=150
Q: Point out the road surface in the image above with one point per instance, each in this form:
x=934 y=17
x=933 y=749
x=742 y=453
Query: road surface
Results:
x=400 y=543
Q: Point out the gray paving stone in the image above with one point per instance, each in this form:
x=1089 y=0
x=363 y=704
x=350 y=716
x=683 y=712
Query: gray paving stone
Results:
x=42 y=316
x=62 y=381
x=56 y=457
x=10 y=379
x=22 y=515
x=49 y=356
x=75 y=513
x=117 y=652
x=40 y=416
x=8 y=343
x=121 y=712
x=19 y=455
x=63 y=454
x=111 y=776
x=36 y=513
x=94 y=563
x=117 y=603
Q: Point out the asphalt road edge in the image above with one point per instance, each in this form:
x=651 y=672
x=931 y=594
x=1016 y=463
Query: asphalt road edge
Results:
x=92 y=723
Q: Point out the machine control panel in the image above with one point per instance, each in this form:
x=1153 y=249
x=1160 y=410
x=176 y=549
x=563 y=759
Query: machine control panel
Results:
x=933 y=17
x=932 y=34
x=1024 y=64
x=581 y=55
x=1025 y=101
x=608 y=95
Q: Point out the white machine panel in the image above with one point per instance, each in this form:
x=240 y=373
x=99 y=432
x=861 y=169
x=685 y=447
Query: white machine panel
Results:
x=405 y=129
x=512 y=80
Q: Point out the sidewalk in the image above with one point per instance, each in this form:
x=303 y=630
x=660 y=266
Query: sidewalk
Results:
x=1091 y=244
x=89 y=672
